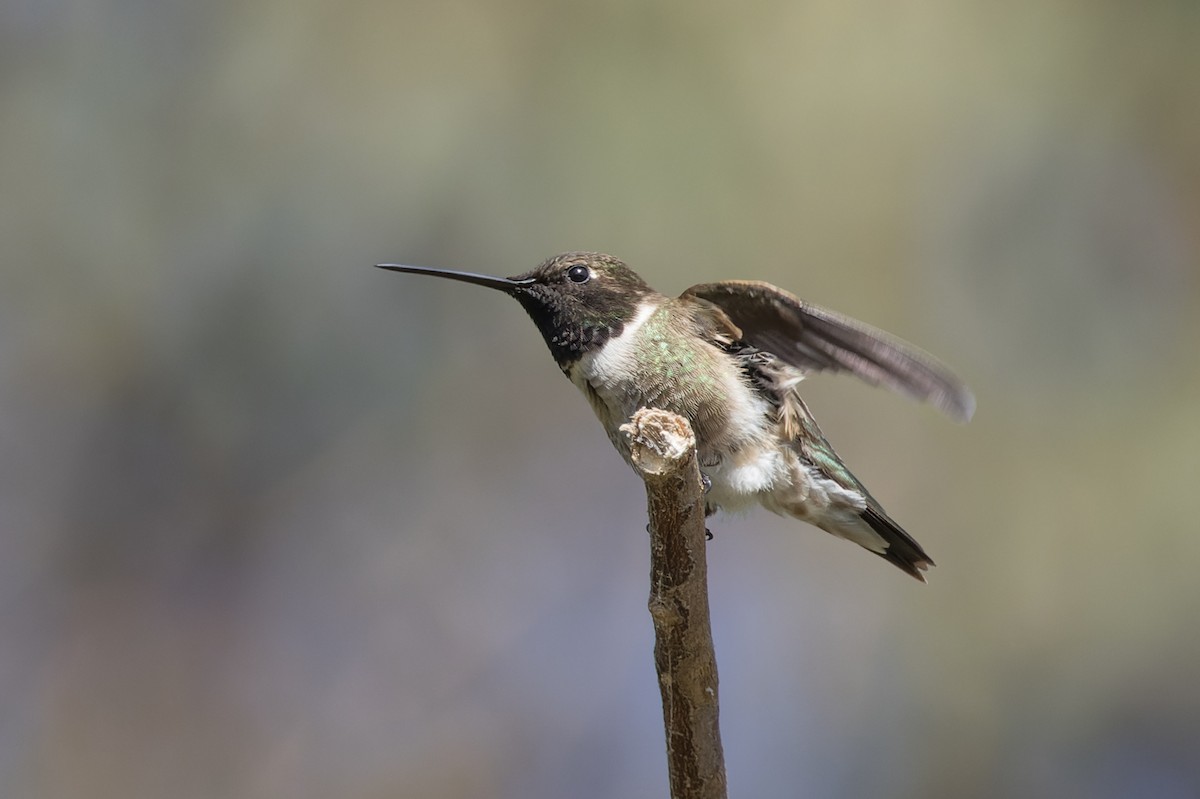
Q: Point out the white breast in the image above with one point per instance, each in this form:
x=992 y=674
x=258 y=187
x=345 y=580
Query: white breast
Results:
x=617 y=357
x=604 y=377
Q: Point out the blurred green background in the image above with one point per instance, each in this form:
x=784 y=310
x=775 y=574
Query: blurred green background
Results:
x=274 y=523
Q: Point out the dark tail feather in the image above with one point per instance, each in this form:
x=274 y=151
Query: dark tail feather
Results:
x=902 y=550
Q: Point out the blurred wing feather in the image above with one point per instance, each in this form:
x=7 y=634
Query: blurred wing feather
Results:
x=813 y=338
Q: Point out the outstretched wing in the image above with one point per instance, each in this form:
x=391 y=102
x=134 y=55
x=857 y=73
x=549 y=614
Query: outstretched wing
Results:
x=814 y=338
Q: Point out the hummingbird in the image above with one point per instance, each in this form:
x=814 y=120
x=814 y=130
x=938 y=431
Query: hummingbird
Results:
x=729 y=357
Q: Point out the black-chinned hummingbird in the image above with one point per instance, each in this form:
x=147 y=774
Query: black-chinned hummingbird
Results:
x=729 y=357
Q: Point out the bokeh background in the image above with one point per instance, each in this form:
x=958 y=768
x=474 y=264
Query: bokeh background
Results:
x=276 y=524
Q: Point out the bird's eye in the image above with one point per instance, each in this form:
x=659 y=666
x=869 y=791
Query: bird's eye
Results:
x=579 y=274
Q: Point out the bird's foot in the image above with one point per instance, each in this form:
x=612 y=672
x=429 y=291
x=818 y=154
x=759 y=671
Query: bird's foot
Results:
x=708 y=536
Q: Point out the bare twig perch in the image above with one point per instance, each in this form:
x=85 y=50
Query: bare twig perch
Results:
x=664 y=454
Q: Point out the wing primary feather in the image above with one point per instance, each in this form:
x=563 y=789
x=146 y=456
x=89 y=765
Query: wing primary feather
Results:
x=814 y=338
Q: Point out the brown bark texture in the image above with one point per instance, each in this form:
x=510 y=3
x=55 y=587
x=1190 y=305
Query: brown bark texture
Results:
x=663 y=450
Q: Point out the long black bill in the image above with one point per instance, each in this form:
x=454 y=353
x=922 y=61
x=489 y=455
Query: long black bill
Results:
x=505 y=284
